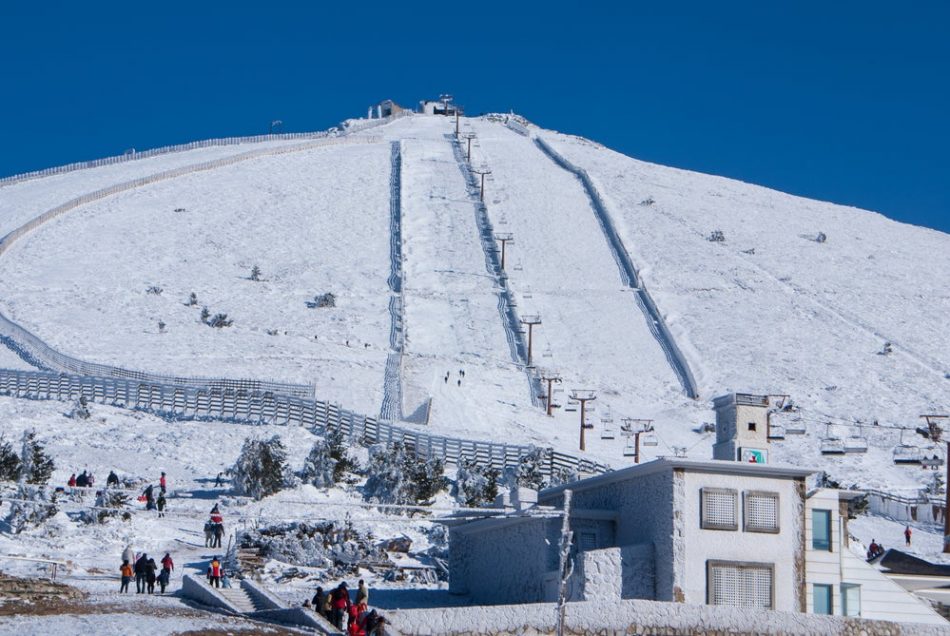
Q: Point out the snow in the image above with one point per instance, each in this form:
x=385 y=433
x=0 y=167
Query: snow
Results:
x=796 y=316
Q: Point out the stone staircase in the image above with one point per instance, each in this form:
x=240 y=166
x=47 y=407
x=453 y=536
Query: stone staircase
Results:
x=243 y=601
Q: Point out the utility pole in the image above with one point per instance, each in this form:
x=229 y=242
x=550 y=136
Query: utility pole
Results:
x=550 y=379
x=565 y=565
x=635 y=428
x=481 y=191
x=504 y=239
x=531 y=321
x=946 y=506
x=583 y=396
x=468 y=153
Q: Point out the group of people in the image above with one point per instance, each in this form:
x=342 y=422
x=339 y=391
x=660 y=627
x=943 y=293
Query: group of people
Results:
x=145 y=572
x=355 y=617
x=459 y=381
x=875 y=550
x=151 y=501
x=84 y=480
x=214 y=528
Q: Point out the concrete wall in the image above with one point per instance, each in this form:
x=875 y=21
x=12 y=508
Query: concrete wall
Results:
x=779 y=549
x=506 y=564
x=636 y=617
x=645 y=517
x=612 y=574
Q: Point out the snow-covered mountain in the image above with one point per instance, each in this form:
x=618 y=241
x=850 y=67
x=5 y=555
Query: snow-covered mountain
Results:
x=770 y=308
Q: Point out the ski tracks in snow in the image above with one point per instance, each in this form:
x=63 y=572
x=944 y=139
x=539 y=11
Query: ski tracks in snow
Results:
x=391 y=408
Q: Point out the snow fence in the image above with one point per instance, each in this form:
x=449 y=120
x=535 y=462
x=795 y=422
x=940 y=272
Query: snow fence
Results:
x=178 y=402
x=39 y=353
x=629 y=273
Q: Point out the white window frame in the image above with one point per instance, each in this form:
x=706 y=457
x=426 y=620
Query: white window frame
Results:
x=845 y=609
x=747 y=521
x=708 y=524
x=739 y=566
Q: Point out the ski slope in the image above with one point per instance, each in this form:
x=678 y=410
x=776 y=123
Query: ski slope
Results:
x=768 y=310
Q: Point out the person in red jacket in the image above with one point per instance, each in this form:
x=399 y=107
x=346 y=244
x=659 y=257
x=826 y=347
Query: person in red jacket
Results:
x=355 y=626
x=162 y=483
x=907 y=533
x=340 y=604
x=72 y=481
x=167 y=563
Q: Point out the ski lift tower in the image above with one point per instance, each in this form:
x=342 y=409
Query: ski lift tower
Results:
x=634 y=428
x=530 y=322
x=742 y=423
x=550 y=378
x=583 y=396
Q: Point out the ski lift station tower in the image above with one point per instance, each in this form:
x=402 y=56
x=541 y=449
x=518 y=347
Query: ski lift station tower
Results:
x=742 y=422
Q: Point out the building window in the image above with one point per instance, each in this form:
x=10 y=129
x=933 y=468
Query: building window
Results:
x=751 y=427
x=821 y=530
x=822 y=594
x=587 y=541
x=850 y=599
x=739 y=584
x=761 y=511
x=719 y=509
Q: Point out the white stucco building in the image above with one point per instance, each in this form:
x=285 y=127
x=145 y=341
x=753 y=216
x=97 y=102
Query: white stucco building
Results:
x=669 y=530
x=840 y=582
x=699 y=532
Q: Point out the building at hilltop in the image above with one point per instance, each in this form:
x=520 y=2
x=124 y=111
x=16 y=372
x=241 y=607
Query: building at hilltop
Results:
x=385 y=108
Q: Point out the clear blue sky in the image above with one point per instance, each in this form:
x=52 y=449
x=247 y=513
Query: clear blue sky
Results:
x=842 y=101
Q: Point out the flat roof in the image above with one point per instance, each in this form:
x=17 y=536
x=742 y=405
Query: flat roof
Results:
x=720 y=467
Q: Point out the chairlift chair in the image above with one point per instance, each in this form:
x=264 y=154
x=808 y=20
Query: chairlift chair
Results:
x=795 y=426
x=629 y=450
x=649 y=439
x=831 y=444
x=905 y=453
x=856 y=443
x=776 y=432
x=607 y=432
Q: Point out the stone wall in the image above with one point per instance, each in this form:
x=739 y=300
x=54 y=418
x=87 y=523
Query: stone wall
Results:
x=638 y=617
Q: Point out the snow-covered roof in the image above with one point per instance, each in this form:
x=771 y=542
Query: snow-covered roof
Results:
x=775 y=471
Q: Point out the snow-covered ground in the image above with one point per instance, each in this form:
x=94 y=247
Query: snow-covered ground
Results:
x=767 y=310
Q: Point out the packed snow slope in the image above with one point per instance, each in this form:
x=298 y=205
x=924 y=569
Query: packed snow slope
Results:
x=769 y=309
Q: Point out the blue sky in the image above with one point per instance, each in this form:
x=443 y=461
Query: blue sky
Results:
x=841 y=101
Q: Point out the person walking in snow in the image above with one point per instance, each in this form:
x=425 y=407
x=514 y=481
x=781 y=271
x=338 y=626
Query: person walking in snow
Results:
x=209 y=534
x=163 y=578
x=82 y=481
x=72 y=481
x=112 y=481
x=141 y=572
x=219 y=480
x=215 y=570
x=149 y=495
x=162 y=483
x=318 y=600
x=128 y=554
x=167 y=563
x=160 y=502
x=907 y=533
x=126 y=572
x=150 y=575
x=362 y=595
x=340 y=603
x=218 y=535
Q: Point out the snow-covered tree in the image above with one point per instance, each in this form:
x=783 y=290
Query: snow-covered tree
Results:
x=108 y=504
x=30 y=507
x=527 y=473
x=261 y=469
x=32 y=504
x=161 y=326
x=81 y=409
x=562 y=476
x=255 y=273
x=329 y=460
x=192 y=300
x=205 y=314
x=36 y=466
x=398 y=476
x=9 y=462
x=475 y=485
